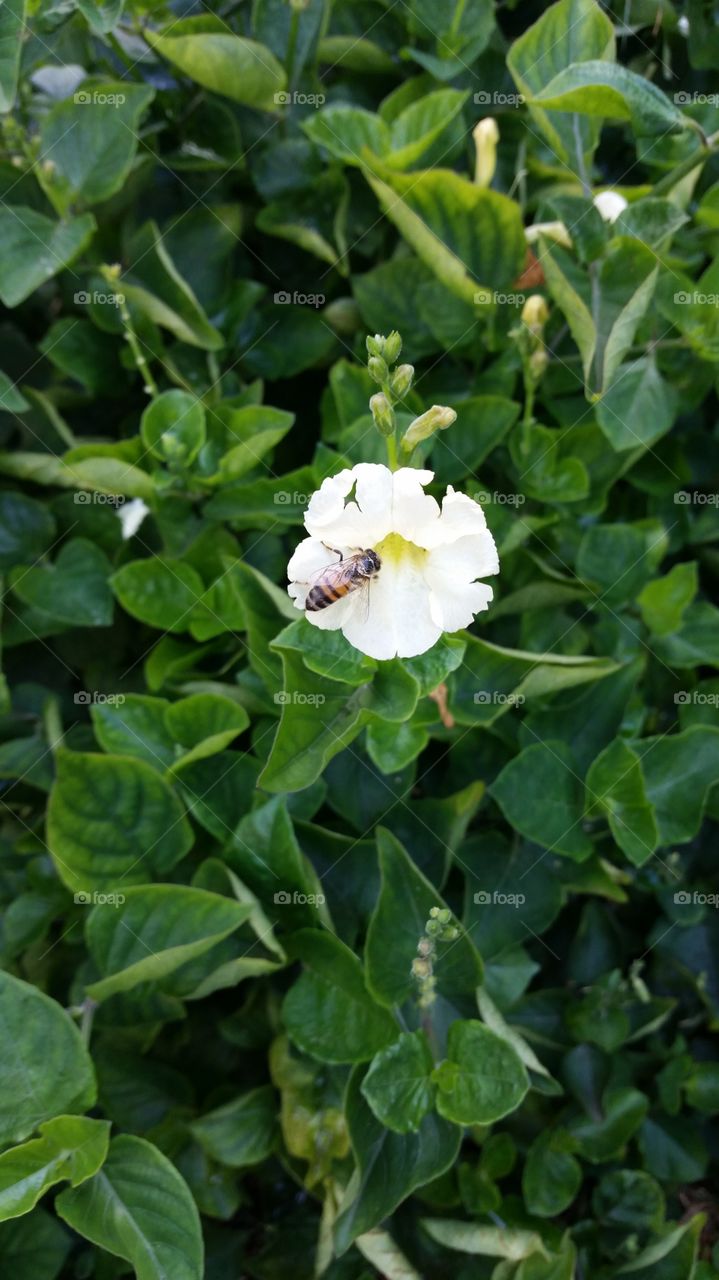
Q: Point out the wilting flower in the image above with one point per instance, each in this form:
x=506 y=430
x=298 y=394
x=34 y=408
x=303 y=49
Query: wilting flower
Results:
x=610 y=204
x=430 y=559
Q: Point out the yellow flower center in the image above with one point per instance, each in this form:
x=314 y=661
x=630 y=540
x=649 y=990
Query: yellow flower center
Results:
x=395 y=549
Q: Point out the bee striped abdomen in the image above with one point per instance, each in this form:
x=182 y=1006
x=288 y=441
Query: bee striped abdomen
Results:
x=324 y=594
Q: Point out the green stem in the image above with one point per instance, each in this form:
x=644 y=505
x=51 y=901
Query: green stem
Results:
x=392 y=458
x=685 y=166
x=88 y=1017
x=143 y=368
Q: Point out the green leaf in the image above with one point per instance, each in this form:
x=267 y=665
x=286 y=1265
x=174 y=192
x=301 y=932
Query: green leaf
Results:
x=26 y=529
x=604 y=89
x=664 y=600
x=638 y=407
x=540 y=794
x=389 y=1165
x=472 y=238
x=91 y=139
x=112 y=822
x=240 y=69
x=204 y=724
x=615 y=787
x=102 y=15
x=73 y=590
x=672 y=1257
x=12 y=21
x=36 y=248
x=265 y=853
x=156 y=288
x=346 y=131
x=45 y=1065
x=155 y=930
x=570 y=32
x=552 y=1177
x=251 y=433
x=482 y=1078
x=398 y=922
x=34 y=1247
x=134 y=725
x=329 y=1012
x=70 y=1147
x=397 y=1086
x=678 y=771
x=140 y=1209
x=242 y=1132
x=173 y=428
x=492 y=1242
x=162 y=593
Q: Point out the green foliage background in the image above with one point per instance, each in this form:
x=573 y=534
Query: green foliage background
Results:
x=224 y=833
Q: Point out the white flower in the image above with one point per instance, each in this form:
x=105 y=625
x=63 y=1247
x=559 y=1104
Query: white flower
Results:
x=131 y=516
x=430 y=558
x=610 y=204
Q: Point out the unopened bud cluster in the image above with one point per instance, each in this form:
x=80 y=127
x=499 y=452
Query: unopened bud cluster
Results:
x=529 y=336
x=383 y=353
x=439 y=928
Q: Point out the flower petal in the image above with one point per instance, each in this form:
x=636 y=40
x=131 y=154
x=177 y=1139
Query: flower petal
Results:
x=309 y=558
x=470 y=557
x=414 y=513
x=460 y=516
x=335 y=615
x=454 y=604
x=362 y=523
x=398 y=621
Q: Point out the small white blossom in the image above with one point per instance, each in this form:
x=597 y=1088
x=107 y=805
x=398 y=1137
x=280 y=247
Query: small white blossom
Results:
x=431 y=558
x=610 y=204
x=131 y=516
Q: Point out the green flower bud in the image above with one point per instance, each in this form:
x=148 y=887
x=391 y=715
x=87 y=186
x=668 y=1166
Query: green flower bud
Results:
x=444 y=915
x=401 y=381
x=433 y=928
x=438 y=418
x=342 y=316
x=392 y=347
x=383 y=413
x=433 y=912
x=378 y=370
x=421 y=968
x=375 y=345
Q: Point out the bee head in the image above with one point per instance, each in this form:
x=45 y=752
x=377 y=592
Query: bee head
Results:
x=372 y=562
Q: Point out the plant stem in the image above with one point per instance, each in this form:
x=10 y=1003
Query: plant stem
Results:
x=392 y=458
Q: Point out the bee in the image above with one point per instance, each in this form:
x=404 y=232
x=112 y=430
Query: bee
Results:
x=337 y=580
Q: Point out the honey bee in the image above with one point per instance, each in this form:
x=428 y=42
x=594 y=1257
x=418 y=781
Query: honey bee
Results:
x=337 y=580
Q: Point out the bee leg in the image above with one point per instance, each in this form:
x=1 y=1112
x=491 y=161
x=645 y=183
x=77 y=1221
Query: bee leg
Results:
x=335 y=550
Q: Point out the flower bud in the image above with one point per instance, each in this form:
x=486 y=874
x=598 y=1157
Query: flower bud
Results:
x=392 y=347
x=438 y=418
x=402 y=379
x=342 y=316
x=535 y=313
x=486 y=137
x=610 y=204
x=378 y=370
x=421 y=968
x=375 y=345
x=382 y=413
